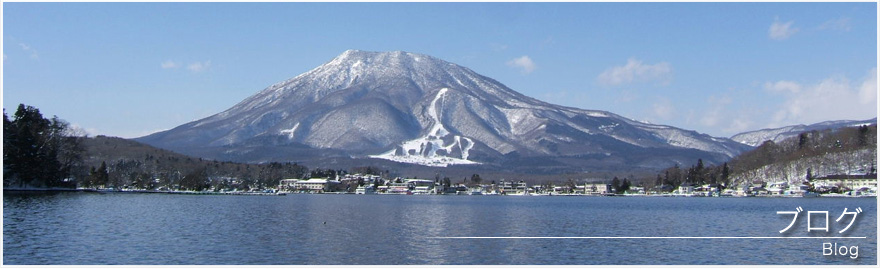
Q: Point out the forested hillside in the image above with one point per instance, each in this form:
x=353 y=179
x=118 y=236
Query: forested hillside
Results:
x=810 y=155
x=848 y=151
x=129 y=163
x=40 y=152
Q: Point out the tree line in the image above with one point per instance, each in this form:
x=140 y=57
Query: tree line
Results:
x=40 y=152
x=117 y=163
x=809 y=155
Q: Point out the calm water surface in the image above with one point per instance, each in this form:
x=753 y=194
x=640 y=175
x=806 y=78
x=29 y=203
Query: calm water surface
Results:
x=87 y=228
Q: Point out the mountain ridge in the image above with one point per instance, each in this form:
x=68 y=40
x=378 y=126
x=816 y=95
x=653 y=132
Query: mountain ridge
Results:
x=362 y=104
x=756 y=137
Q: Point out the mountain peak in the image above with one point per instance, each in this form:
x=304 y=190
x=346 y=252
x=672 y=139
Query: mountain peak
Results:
x=353 y=64
x=383 y=57
x=414 y=108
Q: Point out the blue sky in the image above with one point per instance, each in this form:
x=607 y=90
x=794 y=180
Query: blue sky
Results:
x=130 y=69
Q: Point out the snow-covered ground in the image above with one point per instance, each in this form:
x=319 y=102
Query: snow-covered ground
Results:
x=425 y=150
x=857 y=162
x=756 y=138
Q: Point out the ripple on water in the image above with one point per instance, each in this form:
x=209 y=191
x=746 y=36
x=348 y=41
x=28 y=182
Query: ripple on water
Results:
x=78 y=228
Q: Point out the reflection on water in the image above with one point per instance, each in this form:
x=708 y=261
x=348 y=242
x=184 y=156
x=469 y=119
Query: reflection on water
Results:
x=76 y=228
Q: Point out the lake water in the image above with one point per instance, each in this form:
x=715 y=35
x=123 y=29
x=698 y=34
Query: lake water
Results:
x=90 y=228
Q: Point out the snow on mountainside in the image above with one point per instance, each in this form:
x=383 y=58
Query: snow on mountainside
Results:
x=424 y=150
x=755 y=138
x=415 y=108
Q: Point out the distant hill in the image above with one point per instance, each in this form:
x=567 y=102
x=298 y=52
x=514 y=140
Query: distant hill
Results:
x=131 y=163
x=755 y=138
x=834 y=151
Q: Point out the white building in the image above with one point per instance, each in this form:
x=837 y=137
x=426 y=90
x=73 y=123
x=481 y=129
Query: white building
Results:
x=398 y=188
x=596 y=188
x=511 y=187
x=777 y=188
x=685 y=189
x=843 y=182
x=367 y=179
x=310 y=185
x=366 y=189
x=287 y=184
x=421 y=186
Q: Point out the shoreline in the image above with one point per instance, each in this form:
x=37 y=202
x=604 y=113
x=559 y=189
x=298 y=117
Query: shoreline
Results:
x=60 y=190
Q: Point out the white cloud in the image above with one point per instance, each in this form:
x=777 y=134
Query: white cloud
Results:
x=841 y=24
x=783 y=86
x=738 y=125
x=628 y=96
x=29 y=50
x=781 y=31
x=169 y=64
x=199 y=66
x=634 y=71
x=834 y=98
x=78 y=130
x=713 y=115
x=663 y=108
x=868 y=90
x=524 y=63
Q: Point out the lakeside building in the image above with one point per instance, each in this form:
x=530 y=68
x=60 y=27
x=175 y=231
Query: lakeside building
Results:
x=454 y=189
x=562 y=189
x=511 y=187
x=663 y=188
x=743 y=189
x=479 y=190
x=636 y=190
x=539 y=189
x=847 y=182
x=367 y=179
x=365 y=189
x=797 y=190
x=777 y=188
x=685 y=189
x=596 y=188
x=287 y=184
x=421 y=186
x=397 y=188
x=310 y=185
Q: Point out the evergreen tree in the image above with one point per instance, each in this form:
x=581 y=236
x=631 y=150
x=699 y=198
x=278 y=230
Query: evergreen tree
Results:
x=699 y=173
x=9 y=151
x=802 y=140
x=624 y=186
x=725 y=174
x=102 y=176
x=615 y=184
x=31 y=148
x=809 y=174
x=863 y=135
x=476 y=179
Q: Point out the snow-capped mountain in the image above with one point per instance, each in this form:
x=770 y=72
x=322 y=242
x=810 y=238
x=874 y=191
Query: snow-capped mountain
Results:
x=414 y=108
x=755 y=138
